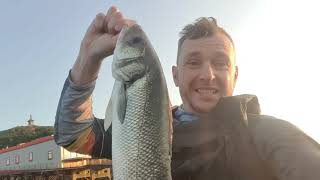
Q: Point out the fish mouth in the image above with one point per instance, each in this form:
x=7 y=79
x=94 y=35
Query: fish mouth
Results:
x=127 y=61
x=129 y=69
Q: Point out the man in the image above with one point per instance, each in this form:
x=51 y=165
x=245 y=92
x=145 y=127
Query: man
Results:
x=216 y=135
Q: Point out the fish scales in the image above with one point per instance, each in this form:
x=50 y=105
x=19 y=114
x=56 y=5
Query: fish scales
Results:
x=140 y=111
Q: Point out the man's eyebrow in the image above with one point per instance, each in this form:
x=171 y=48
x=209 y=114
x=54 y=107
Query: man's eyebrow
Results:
x=192 y=54
x=221 y=55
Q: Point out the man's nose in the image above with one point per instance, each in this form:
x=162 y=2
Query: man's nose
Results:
x=207 y=72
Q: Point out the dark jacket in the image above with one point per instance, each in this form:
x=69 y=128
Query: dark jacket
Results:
x=221 y=146
x=236 y=142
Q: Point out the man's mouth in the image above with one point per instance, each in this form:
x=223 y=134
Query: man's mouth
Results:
x=207 y=91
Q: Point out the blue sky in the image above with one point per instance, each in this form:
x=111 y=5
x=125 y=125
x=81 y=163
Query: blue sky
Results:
x=276 y=43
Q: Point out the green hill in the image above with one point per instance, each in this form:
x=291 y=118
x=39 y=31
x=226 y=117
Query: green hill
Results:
x=21 y=134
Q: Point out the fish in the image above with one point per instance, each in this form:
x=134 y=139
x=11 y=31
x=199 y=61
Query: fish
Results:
x=139 y=110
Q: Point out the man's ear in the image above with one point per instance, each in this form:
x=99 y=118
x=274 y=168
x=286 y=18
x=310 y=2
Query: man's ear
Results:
x=175 y=75
x=235 y=76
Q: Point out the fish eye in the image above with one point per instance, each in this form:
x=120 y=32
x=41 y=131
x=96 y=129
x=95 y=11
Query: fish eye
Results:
x=136 y=40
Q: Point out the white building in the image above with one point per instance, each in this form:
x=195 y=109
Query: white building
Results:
x=42 y=153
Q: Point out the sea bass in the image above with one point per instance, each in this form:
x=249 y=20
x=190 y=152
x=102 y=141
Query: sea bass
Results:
x=140 y=111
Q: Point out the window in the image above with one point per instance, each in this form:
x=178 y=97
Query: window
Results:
x=50 y=155
x=30 y=156
x=17 y=159
x=8 y=162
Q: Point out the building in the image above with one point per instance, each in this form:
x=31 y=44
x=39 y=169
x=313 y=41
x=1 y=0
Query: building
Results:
x=43 y=157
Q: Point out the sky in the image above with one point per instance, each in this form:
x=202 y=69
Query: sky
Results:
x=277 y=47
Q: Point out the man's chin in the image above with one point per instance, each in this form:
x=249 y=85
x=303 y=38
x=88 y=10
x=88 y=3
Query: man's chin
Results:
x=206 y=107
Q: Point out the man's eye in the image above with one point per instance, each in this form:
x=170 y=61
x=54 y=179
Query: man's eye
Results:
x=221 y=65
x=193 y=62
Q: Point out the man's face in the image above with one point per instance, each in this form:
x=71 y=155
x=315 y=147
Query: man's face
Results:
x=205 y=72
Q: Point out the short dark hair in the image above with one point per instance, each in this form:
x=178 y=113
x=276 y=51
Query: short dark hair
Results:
x=202 y=27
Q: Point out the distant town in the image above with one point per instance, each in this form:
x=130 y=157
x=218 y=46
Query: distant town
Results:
x=30 y=152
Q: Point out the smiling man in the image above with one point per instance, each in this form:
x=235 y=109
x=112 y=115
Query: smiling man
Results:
x=215 y=135
x=206 y=69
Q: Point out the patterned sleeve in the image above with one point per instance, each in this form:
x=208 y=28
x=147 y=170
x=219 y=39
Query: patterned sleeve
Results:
x=76 y=128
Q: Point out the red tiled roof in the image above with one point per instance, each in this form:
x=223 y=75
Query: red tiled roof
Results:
x=27 y=144
x=8 y=172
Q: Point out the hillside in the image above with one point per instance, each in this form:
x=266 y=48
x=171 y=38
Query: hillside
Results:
x=21 y=134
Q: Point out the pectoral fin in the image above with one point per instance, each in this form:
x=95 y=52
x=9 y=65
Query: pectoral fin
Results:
x=108 y=115
x=121 y=101
x=110 y=108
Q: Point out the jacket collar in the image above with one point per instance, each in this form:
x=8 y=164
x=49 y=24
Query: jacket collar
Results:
x=232 y=108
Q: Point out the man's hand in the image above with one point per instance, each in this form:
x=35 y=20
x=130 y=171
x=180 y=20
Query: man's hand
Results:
x=98 y=43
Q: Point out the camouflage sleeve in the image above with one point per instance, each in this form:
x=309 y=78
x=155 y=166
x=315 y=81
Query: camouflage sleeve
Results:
x=291 y=154
x=76 y=128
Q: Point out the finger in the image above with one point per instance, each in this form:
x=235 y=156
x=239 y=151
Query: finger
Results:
x=97 y=24
x=112 y=10
x=117 y=18
x=125 y=22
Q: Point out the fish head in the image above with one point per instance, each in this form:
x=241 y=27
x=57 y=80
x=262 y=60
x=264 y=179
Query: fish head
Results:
x=128 y=59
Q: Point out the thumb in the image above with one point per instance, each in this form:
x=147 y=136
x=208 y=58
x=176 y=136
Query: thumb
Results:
x=106 y=45
x=114 y=40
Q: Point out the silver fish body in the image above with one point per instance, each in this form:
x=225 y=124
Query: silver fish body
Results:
x=140 y=111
